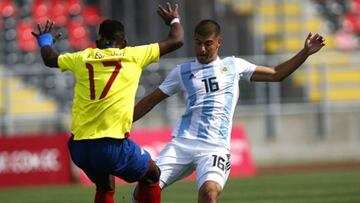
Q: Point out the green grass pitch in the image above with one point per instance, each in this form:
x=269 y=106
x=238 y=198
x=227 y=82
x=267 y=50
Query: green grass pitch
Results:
x=341 y=186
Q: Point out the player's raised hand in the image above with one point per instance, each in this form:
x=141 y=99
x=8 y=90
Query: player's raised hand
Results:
x=168 y=12
x=44 y=34
x=42 y=29
x=313 y=43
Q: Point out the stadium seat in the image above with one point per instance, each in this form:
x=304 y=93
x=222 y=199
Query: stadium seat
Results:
x=78 y=34
x=269 y=27
x=244 y=7
x=59 y=11
x=269 y=9
x=7 y=8
x=291 y=8
x=293 y=44
x=355 y=6
x=313 y=24
x=338 y=94
x=25 y=100
x=40 y=11
x=74 y=7
x=292 y=26
x=91 y=15
x=26 y=42
x=331 y=76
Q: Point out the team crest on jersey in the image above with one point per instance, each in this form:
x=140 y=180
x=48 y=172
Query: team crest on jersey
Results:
x=224 y=69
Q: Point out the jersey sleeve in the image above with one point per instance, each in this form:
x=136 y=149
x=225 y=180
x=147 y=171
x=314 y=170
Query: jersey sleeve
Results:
x=146 y=54
x=246 y=69
x=171 y=84
x=69 y=60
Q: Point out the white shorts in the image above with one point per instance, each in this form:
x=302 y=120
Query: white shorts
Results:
x=182 y=156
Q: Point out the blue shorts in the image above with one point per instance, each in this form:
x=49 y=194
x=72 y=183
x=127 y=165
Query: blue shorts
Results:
x=99 y=158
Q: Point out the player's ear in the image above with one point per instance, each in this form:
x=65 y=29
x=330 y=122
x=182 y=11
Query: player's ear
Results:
x=124 y=42
x=220 y=41
x=121 y=43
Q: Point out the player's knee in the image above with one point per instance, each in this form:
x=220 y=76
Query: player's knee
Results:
x=105 y=184
x=209 y=192
x=152 y=175
x=210 y=196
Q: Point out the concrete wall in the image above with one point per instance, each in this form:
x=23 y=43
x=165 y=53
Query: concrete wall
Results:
x=299 y=137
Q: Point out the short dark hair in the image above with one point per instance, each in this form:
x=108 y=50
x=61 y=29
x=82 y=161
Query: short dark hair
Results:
x=111 y=30
x=207 y=27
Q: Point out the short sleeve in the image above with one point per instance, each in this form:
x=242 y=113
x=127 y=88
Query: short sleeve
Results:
x=171 y=84
x=68 y=61
x=246 y=69
x=146 y=54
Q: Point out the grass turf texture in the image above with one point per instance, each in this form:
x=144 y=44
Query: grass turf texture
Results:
x=341 y=186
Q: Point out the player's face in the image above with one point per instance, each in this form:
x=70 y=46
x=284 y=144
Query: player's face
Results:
x=207 y=48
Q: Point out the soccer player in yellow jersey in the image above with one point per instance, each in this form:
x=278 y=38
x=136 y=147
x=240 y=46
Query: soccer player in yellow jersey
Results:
x=107 y=78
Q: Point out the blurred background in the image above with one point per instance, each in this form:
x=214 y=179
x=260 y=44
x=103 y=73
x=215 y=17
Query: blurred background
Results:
x=311 y=117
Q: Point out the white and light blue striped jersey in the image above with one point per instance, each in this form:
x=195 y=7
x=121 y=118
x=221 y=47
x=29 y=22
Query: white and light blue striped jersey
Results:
x=211 y=93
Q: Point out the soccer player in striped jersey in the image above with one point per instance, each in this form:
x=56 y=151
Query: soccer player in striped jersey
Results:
x=201 y=138
x=107 y=79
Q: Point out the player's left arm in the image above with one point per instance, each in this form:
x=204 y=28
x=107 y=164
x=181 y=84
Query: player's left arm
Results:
x=313 y=44
x=45 y=41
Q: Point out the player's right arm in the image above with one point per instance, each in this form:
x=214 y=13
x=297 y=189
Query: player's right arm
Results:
x=45 y=41
x=147 y=103
x=175 y=38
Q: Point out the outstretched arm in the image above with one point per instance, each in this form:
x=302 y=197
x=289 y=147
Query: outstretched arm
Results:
x=45 y=41
x=147 y=103
x=313 y=44
x=175 y=37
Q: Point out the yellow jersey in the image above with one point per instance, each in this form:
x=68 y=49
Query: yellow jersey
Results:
x=105 y=89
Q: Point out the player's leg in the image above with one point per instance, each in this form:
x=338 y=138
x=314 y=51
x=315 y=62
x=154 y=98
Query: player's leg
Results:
x=212 y=172
x=138 y=166
x=175 y=162
x=148 y=188
x=82 y=156
x=105 y=189
x=172 y=167
x=209 y=192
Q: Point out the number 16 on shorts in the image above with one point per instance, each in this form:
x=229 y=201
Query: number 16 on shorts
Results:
x=221 y=162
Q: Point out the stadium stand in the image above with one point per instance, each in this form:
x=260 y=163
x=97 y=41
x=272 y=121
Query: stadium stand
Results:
x=23 y=99
x=284 y=25
x=280 y=22
x=31 y=88
x=280 y=26
x=334 y=76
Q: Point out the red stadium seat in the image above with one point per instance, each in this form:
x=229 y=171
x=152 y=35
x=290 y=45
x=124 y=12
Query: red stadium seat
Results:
x=59 y=11
x=92 y=15
x=78 y=34
x=7 y=8
x=26 y=42
x=355 y=6
x=40 y=11
x=75 y=7
x=352 y=22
